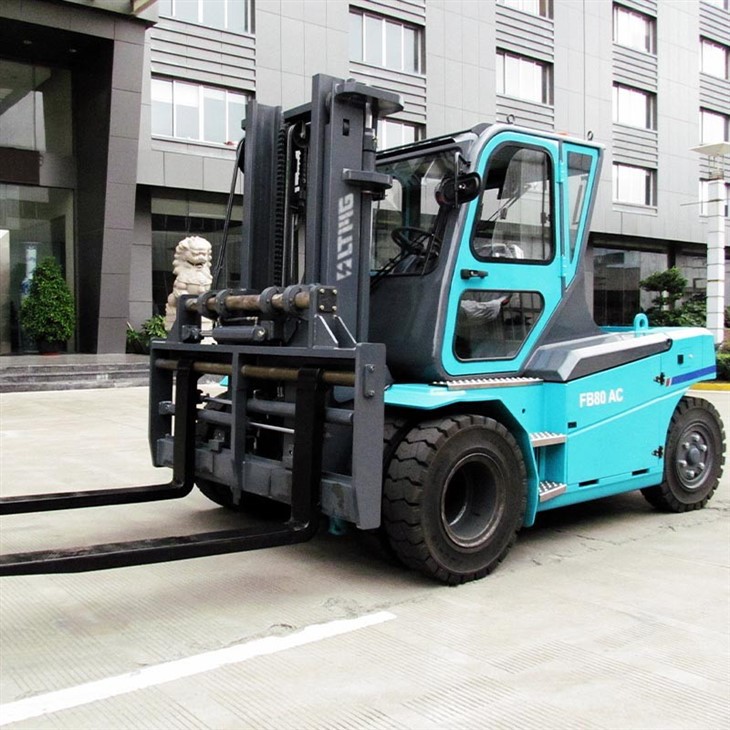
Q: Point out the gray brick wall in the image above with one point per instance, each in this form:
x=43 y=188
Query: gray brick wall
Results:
x=296 y=38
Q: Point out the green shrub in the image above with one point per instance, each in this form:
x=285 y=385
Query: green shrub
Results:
x=667 y=311
x=48 y=313
x=154 y=327
x=723 y=366
x=669 y=286
x=138 y=341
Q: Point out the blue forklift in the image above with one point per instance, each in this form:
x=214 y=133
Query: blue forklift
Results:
x=409 y=349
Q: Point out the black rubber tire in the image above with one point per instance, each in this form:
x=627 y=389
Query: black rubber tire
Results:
x=215 y=491
x=694 y=455
x=253 y=505
x=454 y=497
x=395 y=429
x=219 y=493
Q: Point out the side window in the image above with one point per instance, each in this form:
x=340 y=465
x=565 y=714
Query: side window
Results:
x=579 y=167
x=515 y=220
x=494 y=324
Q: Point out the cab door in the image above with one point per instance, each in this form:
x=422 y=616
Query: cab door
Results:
x=509 y=275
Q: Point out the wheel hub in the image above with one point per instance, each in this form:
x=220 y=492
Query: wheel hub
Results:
x=469 y=503
x=692 y=458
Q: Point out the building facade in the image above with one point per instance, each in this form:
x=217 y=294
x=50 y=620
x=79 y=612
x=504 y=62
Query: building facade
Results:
x=119 y=122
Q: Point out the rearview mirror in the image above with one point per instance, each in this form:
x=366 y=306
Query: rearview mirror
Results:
x=465 y=188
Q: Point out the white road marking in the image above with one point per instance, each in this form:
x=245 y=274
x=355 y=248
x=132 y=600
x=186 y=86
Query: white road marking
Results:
x=84 y=694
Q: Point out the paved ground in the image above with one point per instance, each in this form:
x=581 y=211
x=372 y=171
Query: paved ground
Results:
x=608 y=615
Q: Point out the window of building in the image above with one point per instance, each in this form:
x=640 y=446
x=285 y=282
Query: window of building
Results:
x=385 y=42
x=714 y=59
x=617 y=296
x=524 y=78
x=693 y=266
x=705 y=197
x=395 y=134
x=35 y=108
x=177 y=214
x=634 y=185
x=714 y=127
x=722 y=4
x=634 y=107
x=543 y=8
x=634 y=30
x=235 y=16
x=195 y=112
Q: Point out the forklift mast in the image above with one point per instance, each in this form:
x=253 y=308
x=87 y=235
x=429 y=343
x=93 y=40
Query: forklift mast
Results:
x=310 y=181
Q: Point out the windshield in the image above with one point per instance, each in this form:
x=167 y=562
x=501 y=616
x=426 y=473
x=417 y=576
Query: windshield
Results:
x=408 y=223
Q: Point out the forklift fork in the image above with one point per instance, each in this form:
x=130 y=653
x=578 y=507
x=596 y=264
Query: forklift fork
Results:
x=301 y=526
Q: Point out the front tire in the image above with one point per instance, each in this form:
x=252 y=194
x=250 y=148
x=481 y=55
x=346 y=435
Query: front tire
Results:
x=454 y=497
x=252 y=505
x=693 y=458
x=221 y=494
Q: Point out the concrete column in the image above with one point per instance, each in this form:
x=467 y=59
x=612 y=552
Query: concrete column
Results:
x=716 y=259
x=122 y=146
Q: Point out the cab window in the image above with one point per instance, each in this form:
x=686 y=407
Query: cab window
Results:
x=515 y=217
x=495 y=324
x=408 y=222
x=579 y=168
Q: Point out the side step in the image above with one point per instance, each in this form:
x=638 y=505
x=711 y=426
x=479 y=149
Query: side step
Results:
x=547 y=438
x=476 y=383
x=550 y=490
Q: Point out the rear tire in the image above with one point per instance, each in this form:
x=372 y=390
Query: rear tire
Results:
x=454 y=497
x=693 y=458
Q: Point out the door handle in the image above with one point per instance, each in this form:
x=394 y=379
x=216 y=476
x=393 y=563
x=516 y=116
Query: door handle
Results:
x=474 y=274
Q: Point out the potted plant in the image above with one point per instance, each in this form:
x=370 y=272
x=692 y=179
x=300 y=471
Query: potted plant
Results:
x=48 y=314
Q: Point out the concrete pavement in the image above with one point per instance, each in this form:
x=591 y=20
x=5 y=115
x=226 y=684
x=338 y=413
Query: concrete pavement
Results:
x=605 y=615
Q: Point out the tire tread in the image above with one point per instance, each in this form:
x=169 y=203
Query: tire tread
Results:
x=662 y=495
x=403 y=494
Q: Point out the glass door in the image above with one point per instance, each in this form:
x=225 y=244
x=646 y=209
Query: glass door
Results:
x=35 y=223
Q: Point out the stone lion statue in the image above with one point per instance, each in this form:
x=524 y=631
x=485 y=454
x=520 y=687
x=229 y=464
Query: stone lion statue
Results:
x=191 y=267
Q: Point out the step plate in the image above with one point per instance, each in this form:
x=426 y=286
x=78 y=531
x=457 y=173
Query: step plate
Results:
x=473 y=383
x=550 y=490
x=547 y=438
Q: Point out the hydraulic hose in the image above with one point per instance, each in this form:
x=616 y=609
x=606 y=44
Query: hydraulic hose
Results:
x=229 y=209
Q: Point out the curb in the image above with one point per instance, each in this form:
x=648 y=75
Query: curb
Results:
x=712 y=386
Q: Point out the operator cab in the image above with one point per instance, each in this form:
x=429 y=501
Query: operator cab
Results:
x=467 y=284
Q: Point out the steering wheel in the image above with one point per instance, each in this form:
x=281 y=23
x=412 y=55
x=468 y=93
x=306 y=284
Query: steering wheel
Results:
x=411 y=240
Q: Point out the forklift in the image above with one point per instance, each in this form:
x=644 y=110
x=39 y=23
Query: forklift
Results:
x=409 y=349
